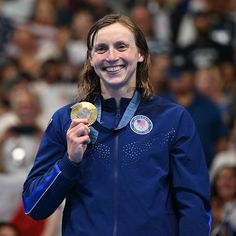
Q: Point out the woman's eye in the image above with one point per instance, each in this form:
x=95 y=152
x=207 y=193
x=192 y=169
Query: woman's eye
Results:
x=122 y=47
x=100 y=50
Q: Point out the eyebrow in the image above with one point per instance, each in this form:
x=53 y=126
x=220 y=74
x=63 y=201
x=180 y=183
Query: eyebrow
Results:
x=122 y=42
x=116 y=42
x=100 y=45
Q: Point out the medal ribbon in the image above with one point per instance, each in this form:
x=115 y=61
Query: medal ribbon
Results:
x=125 y=119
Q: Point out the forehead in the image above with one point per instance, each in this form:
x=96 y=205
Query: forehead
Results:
x=114 y=32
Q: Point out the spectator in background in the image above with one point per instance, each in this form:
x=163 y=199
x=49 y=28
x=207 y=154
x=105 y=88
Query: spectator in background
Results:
x=160 y=63
x=18 y=11
x=14 y=79
x=184 y=30
x=160 y=11
x=223 y=27
x=18 y=145
x=9 y=68
x=52 y=88
x=98 y=8
x=212 y=131
x=178 y=12
x=44 y=30
x=8 y=229
x=76 y=48
x=223 y=200
x=64 y=12
x=210 y=83
x=43 y=21
x=20 y=141
x=205 y=49
x=140 y=14
x=24 y=49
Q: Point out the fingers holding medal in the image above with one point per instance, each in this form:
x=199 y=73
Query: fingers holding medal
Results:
x=84 y=110
x=77 y=139
x=83 y=115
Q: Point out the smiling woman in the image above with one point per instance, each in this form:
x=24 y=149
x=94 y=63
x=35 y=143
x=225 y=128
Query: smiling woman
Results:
x=139 y=169
x=115 y=61
x=133 y=41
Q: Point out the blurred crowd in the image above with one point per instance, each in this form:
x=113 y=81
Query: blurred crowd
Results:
x=193 y=63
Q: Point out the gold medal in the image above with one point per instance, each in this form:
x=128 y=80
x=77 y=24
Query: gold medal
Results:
x=84 y=110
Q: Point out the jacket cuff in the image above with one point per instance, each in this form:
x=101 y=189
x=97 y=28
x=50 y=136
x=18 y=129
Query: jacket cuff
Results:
x=69 y=169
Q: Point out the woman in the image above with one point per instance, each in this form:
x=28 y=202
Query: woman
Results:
x=139 y=169
x=223 y=194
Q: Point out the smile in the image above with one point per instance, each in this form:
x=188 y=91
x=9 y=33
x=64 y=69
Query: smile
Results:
x=113 y=68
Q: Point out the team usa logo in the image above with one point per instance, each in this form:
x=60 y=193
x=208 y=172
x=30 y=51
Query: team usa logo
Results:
x=141 y=124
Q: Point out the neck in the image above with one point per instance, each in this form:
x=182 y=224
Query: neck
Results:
x=117 y=94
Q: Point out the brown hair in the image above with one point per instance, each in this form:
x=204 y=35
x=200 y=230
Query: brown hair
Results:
x=89 y=83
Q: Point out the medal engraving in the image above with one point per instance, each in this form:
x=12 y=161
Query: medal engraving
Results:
x=84 y=110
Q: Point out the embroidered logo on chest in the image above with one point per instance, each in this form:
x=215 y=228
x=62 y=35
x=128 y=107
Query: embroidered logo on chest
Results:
x=141 y=124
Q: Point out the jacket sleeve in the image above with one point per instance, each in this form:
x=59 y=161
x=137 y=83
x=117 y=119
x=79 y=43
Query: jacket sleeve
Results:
x=190 y=180
x=52 y=176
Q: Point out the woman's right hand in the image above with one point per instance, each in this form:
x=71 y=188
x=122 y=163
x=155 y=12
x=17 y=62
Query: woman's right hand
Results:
x=77 y=139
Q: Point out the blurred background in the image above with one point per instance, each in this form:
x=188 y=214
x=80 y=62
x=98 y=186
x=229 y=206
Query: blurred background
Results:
x=193 y=63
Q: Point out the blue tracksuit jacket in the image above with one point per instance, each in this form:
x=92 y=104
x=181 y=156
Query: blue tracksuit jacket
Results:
x=147 y=179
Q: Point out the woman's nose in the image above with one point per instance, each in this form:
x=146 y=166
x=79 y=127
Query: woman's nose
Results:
x=112 y=55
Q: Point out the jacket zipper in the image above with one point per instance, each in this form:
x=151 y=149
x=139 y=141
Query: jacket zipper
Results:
x=116 y=175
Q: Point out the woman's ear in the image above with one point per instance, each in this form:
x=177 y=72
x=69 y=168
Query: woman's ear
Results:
x=141 y=58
